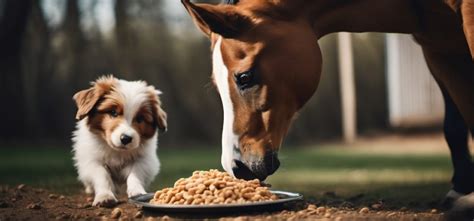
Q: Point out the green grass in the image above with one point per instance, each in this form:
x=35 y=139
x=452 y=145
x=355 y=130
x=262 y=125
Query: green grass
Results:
x=399 y=179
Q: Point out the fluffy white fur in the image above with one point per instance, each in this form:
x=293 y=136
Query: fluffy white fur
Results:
x=104 y=169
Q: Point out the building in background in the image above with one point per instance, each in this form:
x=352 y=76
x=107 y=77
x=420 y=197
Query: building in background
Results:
x=414 y=98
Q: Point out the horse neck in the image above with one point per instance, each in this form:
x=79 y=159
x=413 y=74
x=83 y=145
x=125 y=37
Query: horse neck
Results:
x=329 y=16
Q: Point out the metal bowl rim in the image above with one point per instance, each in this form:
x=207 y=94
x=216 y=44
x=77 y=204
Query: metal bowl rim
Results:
x=289 y=196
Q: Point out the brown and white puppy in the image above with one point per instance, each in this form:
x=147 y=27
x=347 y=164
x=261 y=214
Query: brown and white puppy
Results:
x=115 y=140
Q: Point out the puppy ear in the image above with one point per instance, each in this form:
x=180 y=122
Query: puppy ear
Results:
x=161 y=120
x=159 y=114
x=85 y=101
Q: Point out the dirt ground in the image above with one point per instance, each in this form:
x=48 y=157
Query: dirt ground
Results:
x=23 y=202
x=27 y=203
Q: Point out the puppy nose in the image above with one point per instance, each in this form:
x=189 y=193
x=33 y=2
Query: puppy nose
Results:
x=125 y=139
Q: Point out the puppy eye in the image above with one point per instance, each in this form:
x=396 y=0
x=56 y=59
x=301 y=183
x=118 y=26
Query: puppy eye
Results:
x=113 y=113
x=245 y=80
x=139 y=119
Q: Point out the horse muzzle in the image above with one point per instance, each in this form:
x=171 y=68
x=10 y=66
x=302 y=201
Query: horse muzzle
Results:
x=256 y=167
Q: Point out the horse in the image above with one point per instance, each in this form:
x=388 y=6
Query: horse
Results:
x=266 y=64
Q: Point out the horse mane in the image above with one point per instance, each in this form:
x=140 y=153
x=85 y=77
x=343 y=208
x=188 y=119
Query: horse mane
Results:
x=231 y=2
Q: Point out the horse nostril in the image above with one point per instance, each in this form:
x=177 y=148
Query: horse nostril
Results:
x=125 y=139
x=241 y=171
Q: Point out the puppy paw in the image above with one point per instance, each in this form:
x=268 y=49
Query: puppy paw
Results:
x=104 y=200
x=135 y=191
x=89 y=190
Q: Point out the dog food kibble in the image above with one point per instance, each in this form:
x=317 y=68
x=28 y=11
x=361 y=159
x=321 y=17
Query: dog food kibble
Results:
x=213 y=187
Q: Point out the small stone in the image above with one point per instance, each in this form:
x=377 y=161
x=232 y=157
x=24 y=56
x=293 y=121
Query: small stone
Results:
x=403 y=209
x=116 y=213
x=99 y=213
x=312 y=207
x=13 y=200
x=21 y=187
x=330 y=194
x=4 y=204
x=17 y=195
x=321 y=210
x=90 y=199
x=138 y=215
x=165 y=218
x=35 y=206
x=376 y=206
x=63 y=216
x=52 y=196
x=364 y=210
x=327 y=215
x=434 y=211
x=346 y=205
x=392 y=214
x=62 y=197
x=39 y=190
x=338 y=218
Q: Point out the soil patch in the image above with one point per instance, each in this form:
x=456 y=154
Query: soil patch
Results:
x=28 y=203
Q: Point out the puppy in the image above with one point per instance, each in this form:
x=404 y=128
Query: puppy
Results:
x=115 y=140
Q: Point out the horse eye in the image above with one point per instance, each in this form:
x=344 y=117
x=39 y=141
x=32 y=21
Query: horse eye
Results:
x=245 y=80
x=113 y=113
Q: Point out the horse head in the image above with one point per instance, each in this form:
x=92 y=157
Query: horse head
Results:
x=266 y=65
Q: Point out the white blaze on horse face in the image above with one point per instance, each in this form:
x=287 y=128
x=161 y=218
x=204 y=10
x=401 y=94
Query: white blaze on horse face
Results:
x=229 y=138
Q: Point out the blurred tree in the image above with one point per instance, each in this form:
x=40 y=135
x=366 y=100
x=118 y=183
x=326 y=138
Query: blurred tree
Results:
x=69 y=47
x=43 y=65
x=37 y=72
x=125 y=38
x=73 y=46
x=12 y=26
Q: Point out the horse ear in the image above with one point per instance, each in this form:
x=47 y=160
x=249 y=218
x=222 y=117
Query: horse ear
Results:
x=224 y=20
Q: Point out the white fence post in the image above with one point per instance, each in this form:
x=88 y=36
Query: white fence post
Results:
x=347 y=85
